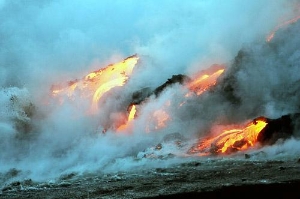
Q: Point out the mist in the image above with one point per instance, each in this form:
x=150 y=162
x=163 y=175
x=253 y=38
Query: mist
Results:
x=49 y=42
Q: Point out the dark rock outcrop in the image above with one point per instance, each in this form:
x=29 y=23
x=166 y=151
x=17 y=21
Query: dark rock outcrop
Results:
x=280 y=128
x=141 y=95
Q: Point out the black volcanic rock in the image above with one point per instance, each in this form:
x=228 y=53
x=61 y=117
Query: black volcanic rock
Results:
x=280 y=128
x=175 y=79
x=141 y=95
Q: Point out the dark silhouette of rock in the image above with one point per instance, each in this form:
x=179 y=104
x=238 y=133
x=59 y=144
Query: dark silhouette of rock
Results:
x=141 y=95
x=280 y=128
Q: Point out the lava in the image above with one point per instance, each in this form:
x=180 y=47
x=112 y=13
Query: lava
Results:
x=282 y=25
x=131 y=116
x=97 y=83
x=205 y=79
x=200 y=83
x=231 y=139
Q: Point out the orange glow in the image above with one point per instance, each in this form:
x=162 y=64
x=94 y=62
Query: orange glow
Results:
x=200 y=83
x=230 y=140
x=158 y=120
x=282 y=25
x=270 y=36
x=161 y=118
x=97 y=83
x=68 y=90
x=132 y=113
x=240 y=139
x=131 y=116
x=204 y=80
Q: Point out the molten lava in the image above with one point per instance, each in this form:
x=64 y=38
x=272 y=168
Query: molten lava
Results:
x=282 y=25
x=199 y=84
x=231 y=140
x=132 y=113
x=131 y=116
x=205 y=79
x=97 y=83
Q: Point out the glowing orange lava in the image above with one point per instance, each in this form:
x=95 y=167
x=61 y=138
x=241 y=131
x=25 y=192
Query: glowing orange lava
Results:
x=205 y=79
x=131 y=116
x=231 y=140
x=97 y=83
x=282 y=25
x=199 y=84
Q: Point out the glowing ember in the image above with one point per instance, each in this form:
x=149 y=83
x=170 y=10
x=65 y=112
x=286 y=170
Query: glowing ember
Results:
x=205 y=79
x=284 y=24
x=97 y=83
x=231 y=140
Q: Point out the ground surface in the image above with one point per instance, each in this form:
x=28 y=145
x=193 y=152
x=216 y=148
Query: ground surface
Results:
x=210 y=178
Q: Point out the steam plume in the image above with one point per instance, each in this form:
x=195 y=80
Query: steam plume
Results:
x=45 y=42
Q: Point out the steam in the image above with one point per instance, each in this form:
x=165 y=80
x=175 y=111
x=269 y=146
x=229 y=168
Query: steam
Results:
x=48 y=42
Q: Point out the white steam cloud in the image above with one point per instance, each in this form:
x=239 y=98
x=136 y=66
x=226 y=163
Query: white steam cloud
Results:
x=48 y=42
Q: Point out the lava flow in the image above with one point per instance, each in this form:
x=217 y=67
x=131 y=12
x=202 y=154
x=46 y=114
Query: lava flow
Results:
x=97 y=83
x=282 y=25
x=223 y=140
x=231 y=139
x=205 y=79
x=200 y=83
x=131 y=116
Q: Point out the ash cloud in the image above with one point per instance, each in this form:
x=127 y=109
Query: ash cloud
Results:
x=46 y=42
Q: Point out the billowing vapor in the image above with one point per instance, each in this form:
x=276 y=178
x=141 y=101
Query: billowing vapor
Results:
x=44 y=43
